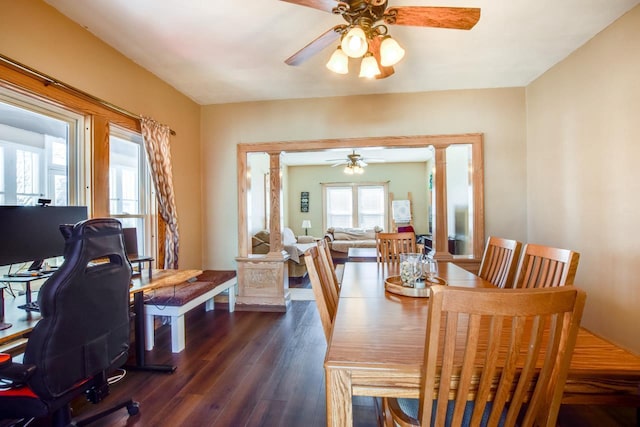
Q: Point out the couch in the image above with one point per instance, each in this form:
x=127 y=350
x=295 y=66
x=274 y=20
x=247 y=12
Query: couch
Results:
x=341 y=239
x=294 y=246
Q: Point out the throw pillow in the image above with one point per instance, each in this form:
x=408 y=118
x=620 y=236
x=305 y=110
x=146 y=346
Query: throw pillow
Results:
x=288 y=238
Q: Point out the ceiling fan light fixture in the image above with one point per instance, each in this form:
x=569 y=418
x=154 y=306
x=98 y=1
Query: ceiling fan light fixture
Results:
x=390 y=52
x=339 y=62
x=369 y=67
x=348 y=170
x=354 y=43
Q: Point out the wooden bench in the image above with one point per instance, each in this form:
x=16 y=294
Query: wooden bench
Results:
x=175 y=301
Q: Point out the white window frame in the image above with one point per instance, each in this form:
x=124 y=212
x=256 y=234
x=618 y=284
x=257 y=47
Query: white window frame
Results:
x=355 y=214
x=75 y=171
x=147 y=209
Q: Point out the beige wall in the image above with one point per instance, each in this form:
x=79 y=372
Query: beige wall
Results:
x=573 y=184
x=583 y=146
x=401 y=177
x=498 y=113
x=33 y=33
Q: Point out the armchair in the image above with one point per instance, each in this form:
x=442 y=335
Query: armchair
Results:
x=83 y=333
x=294 y=246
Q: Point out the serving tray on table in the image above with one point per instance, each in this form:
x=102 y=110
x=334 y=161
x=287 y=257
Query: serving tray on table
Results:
x=394 y=285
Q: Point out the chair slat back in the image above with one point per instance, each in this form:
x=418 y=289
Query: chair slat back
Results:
x=324 y=290
x=499 y=349
x=499 y=261
x=544 y=267
x=327 y=260
x=390 y=245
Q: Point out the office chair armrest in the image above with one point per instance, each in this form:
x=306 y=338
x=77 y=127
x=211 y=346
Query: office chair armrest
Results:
x=18 y=373
x=5 y=359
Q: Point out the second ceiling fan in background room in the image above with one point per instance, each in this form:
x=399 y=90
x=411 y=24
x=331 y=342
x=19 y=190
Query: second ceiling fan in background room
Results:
x=354 y=163
x=365 y=35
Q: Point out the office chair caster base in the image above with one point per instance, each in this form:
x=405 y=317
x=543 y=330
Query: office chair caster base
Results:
x=133 y=408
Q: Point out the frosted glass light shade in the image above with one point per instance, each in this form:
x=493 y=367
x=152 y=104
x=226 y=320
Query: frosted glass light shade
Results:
x=339 y=62
x=369 y=67
x=390 y=52
x=348 y=170
x=354 y=43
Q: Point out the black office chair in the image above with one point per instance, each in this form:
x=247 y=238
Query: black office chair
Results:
x=84 y=332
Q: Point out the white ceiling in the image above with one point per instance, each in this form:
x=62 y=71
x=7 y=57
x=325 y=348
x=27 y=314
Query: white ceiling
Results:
x=370 y=155
x=233 y=51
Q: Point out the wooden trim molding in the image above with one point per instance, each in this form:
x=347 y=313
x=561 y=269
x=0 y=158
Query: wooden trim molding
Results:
x=22 y=82
x=439 y=142
x=98 y=117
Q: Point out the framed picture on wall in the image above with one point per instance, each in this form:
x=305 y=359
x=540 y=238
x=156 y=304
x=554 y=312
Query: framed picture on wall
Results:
x=304 y=201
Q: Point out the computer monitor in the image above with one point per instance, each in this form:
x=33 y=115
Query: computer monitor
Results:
x=130 y=241
x=32 y=234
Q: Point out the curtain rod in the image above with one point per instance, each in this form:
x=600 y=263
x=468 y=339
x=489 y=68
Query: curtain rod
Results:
x=48 y=80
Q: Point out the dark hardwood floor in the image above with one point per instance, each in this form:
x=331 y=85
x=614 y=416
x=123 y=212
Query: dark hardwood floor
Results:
x=256 y=369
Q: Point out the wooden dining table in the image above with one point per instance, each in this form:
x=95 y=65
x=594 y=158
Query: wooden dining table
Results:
x=377 y=347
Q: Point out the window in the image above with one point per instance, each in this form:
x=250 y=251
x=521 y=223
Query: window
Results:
x=40 y=152
x=131 y=199
x=355 y=205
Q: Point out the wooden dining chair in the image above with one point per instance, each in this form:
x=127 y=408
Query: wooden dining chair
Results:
x=544 y=267
x=499 y=261
x=324 y=290
x=503 y=354
x=333 y=271
x=390 y=245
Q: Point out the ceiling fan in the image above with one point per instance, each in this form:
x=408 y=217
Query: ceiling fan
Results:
x=354 y=162
x=365 y=33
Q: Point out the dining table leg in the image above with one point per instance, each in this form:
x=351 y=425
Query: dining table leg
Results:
x=339 y=398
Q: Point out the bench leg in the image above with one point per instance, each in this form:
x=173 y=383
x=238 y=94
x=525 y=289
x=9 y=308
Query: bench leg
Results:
x=209 y=305
x=232 y=299
x=177 y=333
x=149 y=332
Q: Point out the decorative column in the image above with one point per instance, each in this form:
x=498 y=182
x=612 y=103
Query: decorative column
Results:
x=263 y=280
x=441 y=233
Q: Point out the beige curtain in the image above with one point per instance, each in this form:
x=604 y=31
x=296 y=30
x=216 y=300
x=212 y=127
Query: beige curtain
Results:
x=156 y=143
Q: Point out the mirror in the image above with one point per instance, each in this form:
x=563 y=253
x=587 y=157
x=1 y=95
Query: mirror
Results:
x=460 y=199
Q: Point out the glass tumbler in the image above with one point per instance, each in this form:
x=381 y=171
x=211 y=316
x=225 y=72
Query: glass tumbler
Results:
x=430 y=268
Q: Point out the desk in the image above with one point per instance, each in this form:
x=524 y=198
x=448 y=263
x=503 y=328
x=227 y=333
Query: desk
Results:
x=377 y=347
x=23 y=322
x=140 y=260
x=26 y=280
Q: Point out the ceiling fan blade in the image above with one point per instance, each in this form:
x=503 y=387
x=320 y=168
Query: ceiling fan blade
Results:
x=338 y=164
x=363 y=163
x=315 y=46
x=326 y=5
x=374 y=48
x=462 y=18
